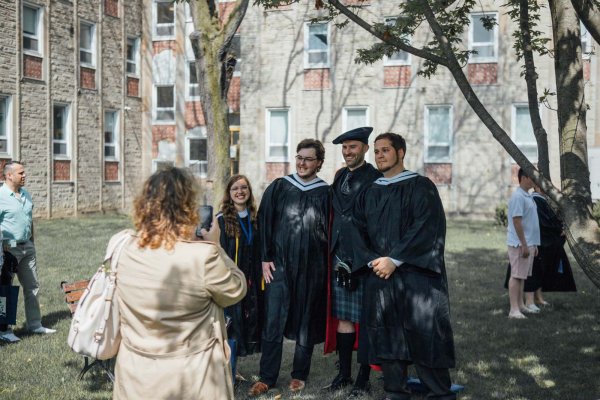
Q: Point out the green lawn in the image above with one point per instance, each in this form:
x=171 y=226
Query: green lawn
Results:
x=553 y=355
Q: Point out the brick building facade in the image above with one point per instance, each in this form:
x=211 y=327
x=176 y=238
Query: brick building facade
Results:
x=308 y=85
x=94 y=96
x=69 y=104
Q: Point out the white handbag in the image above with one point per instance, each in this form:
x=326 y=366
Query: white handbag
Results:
x=95 y=328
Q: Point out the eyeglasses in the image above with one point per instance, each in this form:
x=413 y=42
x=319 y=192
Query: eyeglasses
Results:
x=239 y=188
x=301 y=159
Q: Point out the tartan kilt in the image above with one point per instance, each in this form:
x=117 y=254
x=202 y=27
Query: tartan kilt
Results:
x=346 y=305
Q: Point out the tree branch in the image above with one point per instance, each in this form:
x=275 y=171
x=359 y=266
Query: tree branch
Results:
x=532 y=94
x=233 y=23
x=589 y=13
x=465 y=87
x=391 y=39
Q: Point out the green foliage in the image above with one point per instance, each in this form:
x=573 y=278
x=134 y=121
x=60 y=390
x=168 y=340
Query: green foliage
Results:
x=538 y=40
x=501 y=214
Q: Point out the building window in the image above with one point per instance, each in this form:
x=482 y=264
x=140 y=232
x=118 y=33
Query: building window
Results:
x=196 y=151
x=133 y=56
x=316 y=45
x=354 y=117
x=482 y=40
x=32 y=29
x=61 y=132
x=5 y=125
x=522 y=132
x=163 y=20
x=236 y=49
x=87 y=44
x=438 y=134
x=400 y=57
x=586 y=41
x=164 y=99
x=278 y=135
x=193 y=86
x=111 y=136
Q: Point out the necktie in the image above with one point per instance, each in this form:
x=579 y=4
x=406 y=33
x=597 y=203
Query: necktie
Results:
x=346 y=183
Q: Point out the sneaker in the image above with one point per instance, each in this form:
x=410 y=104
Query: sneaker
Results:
x=9 y=336
x=531 y=309
x=516 y=315
x=42 y=331
x=258 y=388
x=296 y=385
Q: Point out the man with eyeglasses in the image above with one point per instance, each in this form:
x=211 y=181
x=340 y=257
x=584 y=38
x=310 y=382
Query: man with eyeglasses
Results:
x=16 y=223
x=293 y=218
x=347 y=276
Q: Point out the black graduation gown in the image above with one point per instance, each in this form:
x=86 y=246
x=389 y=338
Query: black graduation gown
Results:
x=407 y=315
x=557 y=275
x=245 y=315
x=293 y=219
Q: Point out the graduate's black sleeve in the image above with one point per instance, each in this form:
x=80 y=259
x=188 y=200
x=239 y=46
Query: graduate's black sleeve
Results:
x=223 y=234
x=265 y=223
x=361 y=244
x=422 y=243
x=549 y=222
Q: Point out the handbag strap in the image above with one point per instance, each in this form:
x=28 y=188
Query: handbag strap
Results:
x=113 y=252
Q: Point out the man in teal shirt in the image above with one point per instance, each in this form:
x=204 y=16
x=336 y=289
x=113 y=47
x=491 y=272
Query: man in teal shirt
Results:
x=16 y=224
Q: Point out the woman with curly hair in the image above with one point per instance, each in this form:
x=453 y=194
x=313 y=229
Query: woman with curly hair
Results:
x=171 y=293
x=239 y=238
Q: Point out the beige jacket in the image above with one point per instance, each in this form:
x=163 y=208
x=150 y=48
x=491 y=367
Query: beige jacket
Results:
x=172 y=324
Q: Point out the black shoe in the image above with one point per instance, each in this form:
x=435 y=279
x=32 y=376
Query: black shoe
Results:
x=339 y=382
x=360 y=389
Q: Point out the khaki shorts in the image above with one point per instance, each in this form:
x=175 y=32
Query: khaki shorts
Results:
x=520 y=267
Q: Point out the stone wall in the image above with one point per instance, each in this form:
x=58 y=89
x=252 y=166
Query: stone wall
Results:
x=74 y=184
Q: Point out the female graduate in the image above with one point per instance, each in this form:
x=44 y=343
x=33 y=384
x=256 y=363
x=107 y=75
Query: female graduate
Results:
x=239 y=239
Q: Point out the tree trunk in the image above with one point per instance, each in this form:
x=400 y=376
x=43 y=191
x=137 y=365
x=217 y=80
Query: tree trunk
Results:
x=210 y=42
x=583 y=233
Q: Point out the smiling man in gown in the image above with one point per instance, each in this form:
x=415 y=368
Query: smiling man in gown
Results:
x=407 y=307
x=293 y=218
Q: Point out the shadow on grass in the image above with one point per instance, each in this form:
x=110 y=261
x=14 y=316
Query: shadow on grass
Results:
x=536 y=358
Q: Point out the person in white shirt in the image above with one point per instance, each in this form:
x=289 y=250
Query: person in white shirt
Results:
x=523 y=237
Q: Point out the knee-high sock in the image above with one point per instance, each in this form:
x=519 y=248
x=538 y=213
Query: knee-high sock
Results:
x=345 y=346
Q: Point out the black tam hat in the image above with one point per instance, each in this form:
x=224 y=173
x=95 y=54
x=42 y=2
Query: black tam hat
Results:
x=360 y=134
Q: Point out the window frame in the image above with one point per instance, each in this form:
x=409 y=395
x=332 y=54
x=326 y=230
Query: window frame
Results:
x=188 y=84
x=39 y=36
x=156 y=109
x=388 y=62
x=427 y=159
x=513 y=130
x=136 y=54
x=345 y=110
x=92 y=49
x=587 y=46
x=155 y=25
x=268 y=144
x=197 y=133
x=476 y=58
x=8 y=127
x=116 y=136
x=307 y=51
x=67 y=131
x=238 y=60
